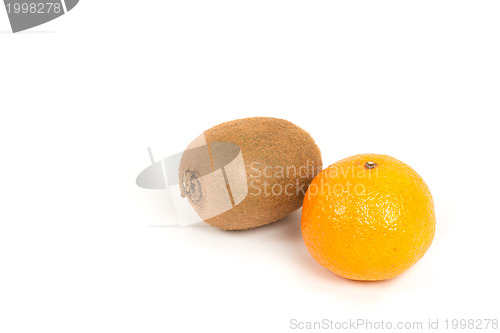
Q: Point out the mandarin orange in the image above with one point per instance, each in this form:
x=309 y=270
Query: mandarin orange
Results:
x=368 y=217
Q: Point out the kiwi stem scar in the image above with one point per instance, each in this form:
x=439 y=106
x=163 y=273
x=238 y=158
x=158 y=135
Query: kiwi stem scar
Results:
x=192 y=186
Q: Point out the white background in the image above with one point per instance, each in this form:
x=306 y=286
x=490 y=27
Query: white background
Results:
x=83 y=96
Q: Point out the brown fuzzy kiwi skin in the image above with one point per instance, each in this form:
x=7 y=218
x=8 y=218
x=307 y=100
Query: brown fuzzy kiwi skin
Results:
x=268 y=145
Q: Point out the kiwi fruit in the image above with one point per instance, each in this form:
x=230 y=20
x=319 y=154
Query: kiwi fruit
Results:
x=248 y=172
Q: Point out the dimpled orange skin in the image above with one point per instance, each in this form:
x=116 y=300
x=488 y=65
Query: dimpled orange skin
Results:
x=373 y=229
